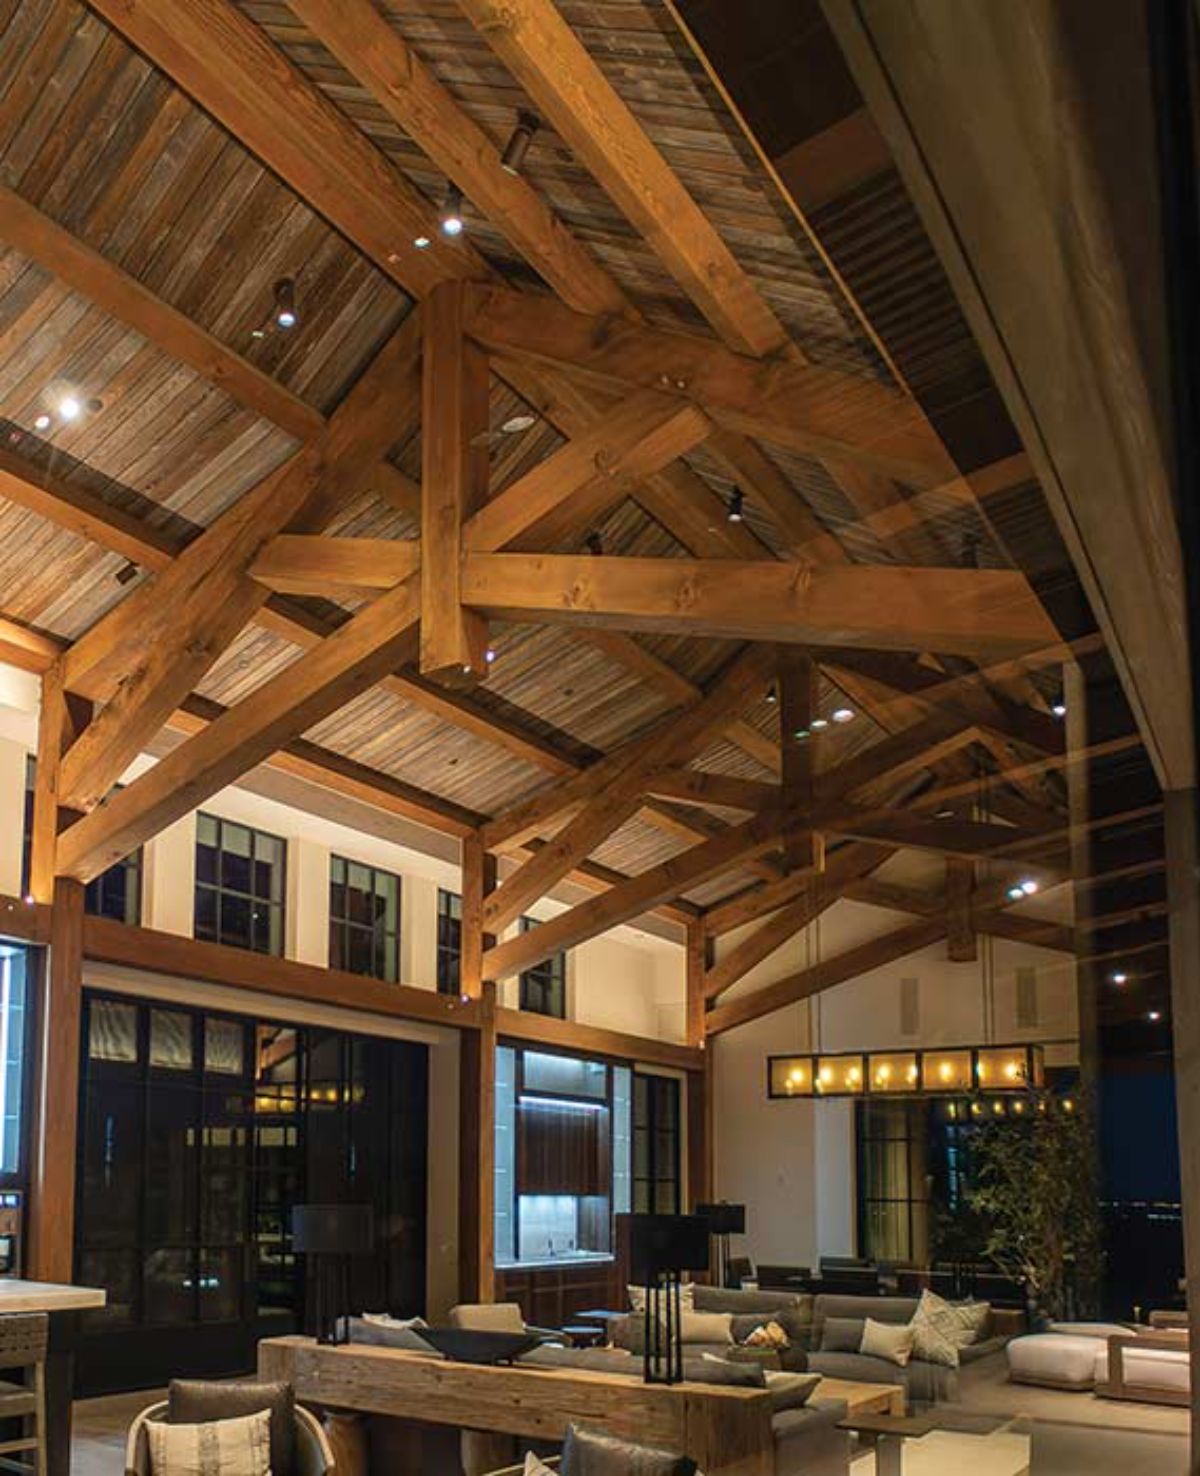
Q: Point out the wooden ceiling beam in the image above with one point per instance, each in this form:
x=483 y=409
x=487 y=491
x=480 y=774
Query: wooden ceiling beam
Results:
x=303 y=564
x=964 y=611
x=454 y=483
x=700 y=787
x=798 y=704
x=378 y=56
x=854 y=962
x=608 y=804
x=755 y=902
x=32 y=233
x=636 y=895
x=813 y=410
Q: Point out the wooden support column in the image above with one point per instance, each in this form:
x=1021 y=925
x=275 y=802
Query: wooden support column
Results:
x=700 y=1134
x=798 y=694
x=50 y=1243
x=962 y=943
x=477 y=1161
x=1088 y=975
x=478 y=882
x=454 y=473
x=63 y=716
x=698 y=951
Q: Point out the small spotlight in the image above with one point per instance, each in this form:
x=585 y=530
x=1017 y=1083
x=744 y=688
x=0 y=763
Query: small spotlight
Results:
x=801 y=734
x=28 y=899
x=1029 y=887
x=285 y=303
x=518 y=144
x=1154 y=1016
x=451 y=219
x=594 y=544
x=127 y=573
x=257 y=333
x=819 y=723
x=422 y=243
x=1015 y=893
x=734 y=514
x=42 y=423
x=772 y=695
x=489 y=655
x=1059 y=709
x=515 y=424
x=842 y=714
x=70 y=408
x=1119 y=978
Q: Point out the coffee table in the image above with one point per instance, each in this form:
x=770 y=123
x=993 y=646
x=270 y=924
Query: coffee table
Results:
x=886 y=1434
x=864 y=1399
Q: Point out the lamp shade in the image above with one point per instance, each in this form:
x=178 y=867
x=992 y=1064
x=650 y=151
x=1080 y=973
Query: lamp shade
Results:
x=659 y=1244
x=333 y=1229
x=723 y=1218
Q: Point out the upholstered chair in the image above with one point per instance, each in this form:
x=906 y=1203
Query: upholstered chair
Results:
x=298 y=1443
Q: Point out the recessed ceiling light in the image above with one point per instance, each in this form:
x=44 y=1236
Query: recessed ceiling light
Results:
x=842 y=714
x=257 y=333
x=489 y=655
x=772 y=695
x=1059 y=709
x=70 y=408
x=734 y=513
x=1015 y=893
x=451 y=219
x=819 y=723
x=42 y=423
x=800 y=734
x=1119 y=978
x=422 y=243
x=285 y=303
x=515 y=424
x=1154 y=1015
x=1029 y=886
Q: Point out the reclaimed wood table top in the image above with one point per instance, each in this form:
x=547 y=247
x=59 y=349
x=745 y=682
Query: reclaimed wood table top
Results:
x=864 y=1399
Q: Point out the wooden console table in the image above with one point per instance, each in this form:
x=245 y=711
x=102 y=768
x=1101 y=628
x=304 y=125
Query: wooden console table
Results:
x=727 y=1431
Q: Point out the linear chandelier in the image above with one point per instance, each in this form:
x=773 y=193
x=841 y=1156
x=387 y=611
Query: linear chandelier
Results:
x=938 y=1071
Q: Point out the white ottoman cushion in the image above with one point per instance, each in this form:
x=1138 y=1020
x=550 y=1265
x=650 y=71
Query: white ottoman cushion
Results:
x=1152 y=1368
x=1056 y=1360
x=1090 y=1329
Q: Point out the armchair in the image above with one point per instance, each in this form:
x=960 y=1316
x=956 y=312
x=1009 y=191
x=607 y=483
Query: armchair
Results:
x=312 y=1453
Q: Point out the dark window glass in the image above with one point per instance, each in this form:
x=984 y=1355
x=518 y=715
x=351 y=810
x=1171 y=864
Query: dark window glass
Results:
x=449 y=942
x=115 y=893
x=240 y=876
x=544 y=986
x=656 y=1145
x=893 y=1180
x=364 y=920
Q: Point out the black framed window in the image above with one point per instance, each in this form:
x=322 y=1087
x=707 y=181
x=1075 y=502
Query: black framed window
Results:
x=240 y=885
x=16 y=1019
x=656 y=1144
x=115 y=893
x=544 y=986
x=893 y=1180
x=364 y=919
x=449 y=942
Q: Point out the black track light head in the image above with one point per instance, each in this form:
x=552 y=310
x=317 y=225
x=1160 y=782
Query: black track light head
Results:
x=734 y=515
x=285 y=303
x=451 y=218
x=594 y=544
x=517 y=146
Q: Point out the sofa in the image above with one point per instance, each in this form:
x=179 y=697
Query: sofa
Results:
x=793 y=1311
x=837 y=1330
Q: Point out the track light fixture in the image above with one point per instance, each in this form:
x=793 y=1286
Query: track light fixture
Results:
x=594 y=544
x=285 y=303
x=451 y=218
x=734 y=514
x=518 y=144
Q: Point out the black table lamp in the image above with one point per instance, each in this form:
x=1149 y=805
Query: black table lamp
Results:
x=331 y=1234
x=723 y=1219
x=661 y=1248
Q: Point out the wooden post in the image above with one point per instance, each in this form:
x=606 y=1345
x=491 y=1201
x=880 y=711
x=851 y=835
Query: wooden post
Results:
x=1183 y=893
x=962 y=942
x=698 y=952
x=477 y=1138
x=454 y=473
x=1079 y=810
x=50 y=1244
x=479 y=880
x=798 y=697
x=61 y=718
x=699 y=1134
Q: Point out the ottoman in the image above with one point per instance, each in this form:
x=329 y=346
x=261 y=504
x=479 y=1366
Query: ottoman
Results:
x=1055 y=1360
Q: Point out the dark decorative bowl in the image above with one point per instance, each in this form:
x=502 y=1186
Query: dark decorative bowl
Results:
x=466 y=1345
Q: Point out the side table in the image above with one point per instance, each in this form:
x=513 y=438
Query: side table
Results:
x=886 y=1435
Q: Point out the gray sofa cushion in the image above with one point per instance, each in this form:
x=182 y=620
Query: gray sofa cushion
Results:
x=841 y=1334
x=925 y=1383
x=592 y=1453
x=732 y=1299
x=808 y=1441
x=721 y=1371
x=201 y=1401
x=595 y=1360
x=881 y=1309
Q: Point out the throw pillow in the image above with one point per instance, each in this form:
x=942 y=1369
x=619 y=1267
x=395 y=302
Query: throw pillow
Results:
x=890 y=1340
x=939 y=1330
x=687 y=1298
x=932 y=1343
x=590 y=1453
x=790 y=1390
x=706 y=1327
x=200 y=1401
x=711 y=1368
x=841 y=1334
x=380 y=1335
x=536 y=1467
x=975 y=1318
x=769 y=1335
x=962 y=1322
x=228 y=1447
x=385 y=1319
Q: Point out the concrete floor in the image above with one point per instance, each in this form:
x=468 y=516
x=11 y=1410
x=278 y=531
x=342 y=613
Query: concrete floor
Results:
x=996 y=1429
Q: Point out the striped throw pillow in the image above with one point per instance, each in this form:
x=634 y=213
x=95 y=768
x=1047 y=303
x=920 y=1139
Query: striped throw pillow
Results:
x=239 y=1447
